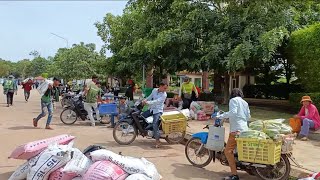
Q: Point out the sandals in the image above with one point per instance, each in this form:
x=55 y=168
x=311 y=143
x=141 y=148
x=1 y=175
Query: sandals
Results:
x=35 y=123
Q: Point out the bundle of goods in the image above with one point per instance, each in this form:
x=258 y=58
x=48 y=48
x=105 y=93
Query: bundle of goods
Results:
x=207 y=107
x=202 y=116
x=56 y=159
x=194 y=109
x=274 y=129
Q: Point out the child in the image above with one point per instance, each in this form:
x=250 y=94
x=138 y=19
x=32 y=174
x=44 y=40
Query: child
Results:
x=123 y=111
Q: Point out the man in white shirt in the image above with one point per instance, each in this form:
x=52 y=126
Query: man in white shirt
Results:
x=239 y=115
x=156 y=104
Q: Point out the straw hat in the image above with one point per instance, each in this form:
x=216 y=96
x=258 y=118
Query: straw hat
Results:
x=306 y=98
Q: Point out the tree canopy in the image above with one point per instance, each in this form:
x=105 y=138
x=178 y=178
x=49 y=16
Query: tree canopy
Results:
x=219 y=35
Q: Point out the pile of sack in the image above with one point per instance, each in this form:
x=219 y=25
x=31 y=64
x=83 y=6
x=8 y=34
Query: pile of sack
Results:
x=268 y=129
x=56 y=159
x=197 y=113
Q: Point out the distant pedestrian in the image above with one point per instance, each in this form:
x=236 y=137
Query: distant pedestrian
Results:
x=46 y=103
x=9 y=88
x=27 y=86
x=116 y=87
x=92 y=93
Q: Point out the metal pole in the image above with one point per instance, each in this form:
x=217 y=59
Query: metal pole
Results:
x=62 y=38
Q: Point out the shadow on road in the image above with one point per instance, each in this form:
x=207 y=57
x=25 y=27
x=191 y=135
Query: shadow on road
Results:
x=5 y=175
x=22 y=127
x=143 y=144
x=185 y=171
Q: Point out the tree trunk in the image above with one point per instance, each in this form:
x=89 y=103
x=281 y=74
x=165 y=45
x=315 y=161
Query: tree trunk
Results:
x=149 y=83
x=205 y=81
x=226 y=92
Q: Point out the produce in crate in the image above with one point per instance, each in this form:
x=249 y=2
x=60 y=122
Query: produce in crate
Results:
x=273 y=128
x=253 y=134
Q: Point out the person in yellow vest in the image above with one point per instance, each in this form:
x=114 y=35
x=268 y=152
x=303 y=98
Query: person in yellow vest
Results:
x=185 y=93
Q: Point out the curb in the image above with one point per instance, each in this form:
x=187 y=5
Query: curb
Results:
x=296 y=172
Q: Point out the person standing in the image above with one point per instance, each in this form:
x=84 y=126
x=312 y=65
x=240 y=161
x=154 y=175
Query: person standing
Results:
x=46 y=103
x=239 y=115
x=116 y=87
x=186 y=90
x=92 y=93
x=309 y=116
x=9 y=88
x=123 y=111
x=27 y=88
x=156 y=103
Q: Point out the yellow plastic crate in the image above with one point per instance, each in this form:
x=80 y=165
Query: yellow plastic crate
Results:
x=174 y=123
x=259 y=151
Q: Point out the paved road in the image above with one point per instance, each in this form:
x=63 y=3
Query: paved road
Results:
x=16 y=128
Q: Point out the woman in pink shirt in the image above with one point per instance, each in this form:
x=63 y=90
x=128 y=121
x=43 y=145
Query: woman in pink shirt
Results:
x=310 y=117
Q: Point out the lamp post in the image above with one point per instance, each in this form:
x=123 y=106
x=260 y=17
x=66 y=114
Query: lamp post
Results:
x=62 y=38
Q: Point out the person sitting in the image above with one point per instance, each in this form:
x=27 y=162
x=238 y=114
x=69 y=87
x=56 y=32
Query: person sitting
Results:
x=309 y=116
x=123 y=111
x=175 y=101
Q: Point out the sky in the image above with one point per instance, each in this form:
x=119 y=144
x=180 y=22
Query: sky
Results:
x=27 y=25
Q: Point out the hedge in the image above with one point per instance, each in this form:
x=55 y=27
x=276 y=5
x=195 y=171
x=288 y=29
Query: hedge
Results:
x=276 y=91
x=303 y=51
x=295 y=99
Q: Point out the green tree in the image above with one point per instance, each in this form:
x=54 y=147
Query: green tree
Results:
x=79 y=61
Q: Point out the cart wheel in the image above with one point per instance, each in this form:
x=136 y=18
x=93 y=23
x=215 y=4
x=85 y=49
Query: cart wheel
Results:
x=175 y=137
x=68 y=116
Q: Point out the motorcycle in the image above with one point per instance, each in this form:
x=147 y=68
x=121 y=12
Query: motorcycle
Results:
x=128 y=128
x=66 y=99
x=76 y=110
x=196 y=149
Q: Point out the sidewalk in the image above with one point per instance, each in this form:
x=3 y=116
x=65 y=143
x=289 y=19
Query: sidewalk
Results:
x=306 y=153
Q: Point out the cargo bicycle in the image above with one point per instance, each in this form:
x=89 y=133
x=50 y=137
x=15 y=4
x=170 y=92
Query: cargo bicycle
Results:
x=266 y=159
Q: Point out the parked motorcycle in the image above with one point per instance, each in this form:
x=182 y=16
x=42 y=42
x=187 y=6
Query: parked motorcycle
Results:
x=200 y=156
x=127 y=129
x=76 y=110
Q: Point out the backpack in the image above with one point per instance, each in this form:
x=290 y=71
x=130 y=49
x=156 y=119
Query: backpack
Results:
x=8 y=85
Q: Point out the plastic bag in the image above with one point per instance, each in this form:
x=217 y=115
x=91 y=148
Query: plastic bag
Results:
x=43 y=87
x=21 y=172
x=129 y=164
x=78 y=165
x=48 y=161
x=102 y=170
x=195 y=107
x=138 y=177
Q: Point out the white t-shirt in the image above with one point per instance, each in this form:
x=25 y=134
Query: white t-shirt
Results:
x=238 y=114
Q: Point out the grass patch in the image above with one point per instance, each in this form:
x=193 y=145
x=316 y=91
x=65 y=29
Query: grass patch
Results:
x=263 y=113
